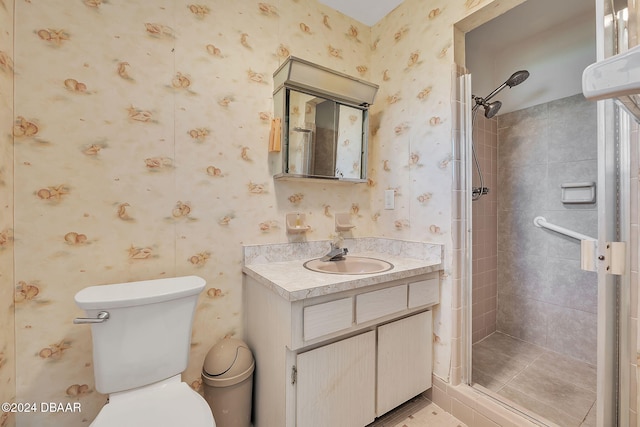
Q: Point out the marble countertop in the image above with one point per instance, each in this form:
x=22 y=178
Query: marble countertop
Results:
x=292 y=281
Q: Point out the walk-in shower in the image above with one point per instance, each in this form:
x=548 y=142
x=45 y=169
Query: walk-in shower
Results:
x=490 y=110
x=541 y=336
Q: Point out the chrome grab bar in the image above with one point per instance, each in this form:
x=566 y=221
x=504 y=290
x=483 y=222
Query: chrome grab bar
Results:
x=541 y=221
x=102 y=317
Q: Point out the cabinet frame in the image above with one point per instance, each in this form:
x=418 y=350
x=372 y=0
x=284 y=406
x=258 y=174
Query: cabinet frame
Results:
x=274 y=331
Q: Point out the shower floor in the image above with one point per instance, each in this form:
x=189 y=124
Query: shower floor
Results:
x=553 y=386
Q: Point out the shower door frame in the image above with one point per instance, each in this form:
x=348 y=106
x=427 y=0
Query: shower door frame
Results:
x=613 y=225
x=612 y=394
x=608 y=383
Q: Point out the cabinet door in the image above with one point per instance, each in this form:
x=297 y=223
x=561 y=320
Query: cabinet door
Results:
x=404 y=360
x=336 y=384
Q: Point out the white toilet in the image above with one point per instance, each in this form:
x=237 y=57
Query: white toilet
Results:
x=140 y=349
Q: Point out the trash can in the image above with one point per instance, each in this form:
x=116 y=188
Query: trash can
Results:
x=227 y=376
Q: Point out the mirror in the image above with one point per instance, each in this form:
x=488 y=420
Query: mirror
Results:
x=324 y=123
x=324 y=139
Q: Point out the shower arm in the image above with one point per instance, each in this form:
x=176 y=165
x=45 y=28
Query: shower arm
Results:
x=515 y=79
x=495 y=92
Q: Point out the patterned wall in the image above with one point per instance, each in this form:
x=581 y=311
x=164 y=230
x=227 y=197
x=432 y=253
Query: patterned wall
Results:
x=7 y=337
x=140 y=151
x=140 y=146
x=412 y=59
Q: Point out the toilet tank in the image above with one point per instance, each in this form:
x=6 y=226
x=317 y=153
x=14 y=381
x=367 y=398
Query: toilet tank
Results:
x=148 y=334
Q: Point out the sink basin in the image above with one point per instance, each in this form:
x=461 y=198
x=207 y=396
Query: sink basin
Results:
x=349 y=265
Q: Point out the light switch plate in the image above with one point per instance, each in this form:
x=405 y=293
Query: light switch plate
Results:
x=389 y=199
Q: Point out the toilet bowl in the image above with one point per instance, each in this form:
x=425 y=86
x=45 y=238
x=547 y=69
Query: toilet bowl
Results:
x=167 y=403
x=141 y=338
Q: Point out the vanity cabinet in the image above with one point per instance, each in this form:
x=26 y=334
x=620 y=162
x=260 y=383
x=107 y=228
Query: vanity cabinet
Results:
x=340 y=359
x=404 y=350
x=336 y=383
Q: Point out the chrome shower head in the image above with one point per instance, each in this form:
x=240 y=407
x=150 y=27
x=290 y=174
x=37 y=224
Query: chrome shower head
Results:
x=517 y=78
x=491 y=109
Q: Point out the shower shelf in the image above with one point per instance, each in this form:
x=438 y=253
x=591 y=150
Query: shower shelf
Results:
x=578 y=192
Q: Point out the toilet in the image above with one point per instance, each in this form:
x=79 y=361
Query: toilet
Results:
x=141 y=338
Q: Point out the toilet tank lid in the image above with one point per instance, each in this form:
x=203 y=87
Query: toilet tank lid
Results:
x=138 y=293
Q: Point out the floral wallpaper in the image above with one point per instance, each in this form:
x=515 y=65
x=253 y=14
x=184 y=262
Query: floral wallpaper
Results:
x=140 y=138
x=412 y=59
x=7 y=331
x=136 y=144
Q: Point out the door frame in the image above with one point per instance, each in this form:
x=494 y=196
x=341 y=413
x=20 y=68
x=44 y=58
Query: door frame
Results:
x=613 y=367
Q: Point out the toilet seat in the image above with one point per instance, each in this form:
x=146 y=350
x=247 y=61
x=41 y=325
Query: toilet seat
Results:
x=167 y=403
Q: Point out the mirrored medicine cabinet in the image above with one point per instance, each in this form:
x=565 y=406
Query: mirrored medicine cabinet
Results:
x=324 y=122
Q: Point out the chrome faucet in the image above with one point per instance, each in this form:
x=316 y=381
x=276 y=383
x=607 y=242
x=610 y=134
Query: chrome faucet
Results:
x=335 y=254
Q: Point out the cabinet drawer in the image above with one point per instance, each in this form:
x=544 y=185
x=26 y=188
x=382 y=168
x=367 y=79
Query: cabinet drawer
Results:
x=424 y=292
x=326 y=318
x=373 y=305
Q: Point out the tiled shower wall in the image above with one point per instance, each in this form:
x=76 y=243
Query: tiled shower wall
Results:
x=543 y=295
x=485 y=250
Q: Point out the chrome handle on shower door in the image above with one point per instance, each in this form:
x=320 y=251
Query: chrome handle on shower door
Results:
x=102 y=317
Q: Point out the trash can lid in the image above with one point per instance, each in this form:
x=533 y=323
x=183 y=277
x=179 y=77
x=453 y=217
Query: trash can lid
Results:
x=227 y=359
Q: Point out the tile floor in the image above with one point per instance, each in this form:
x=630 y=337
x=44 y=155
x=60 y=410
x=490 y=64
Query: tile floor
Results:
x=559 y=389
x=417 y=412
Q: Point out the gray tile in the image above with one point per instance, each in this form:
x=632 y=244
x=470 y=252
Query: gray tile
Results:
x=555 y=372
x=523 y=318
x=571 y=370
x=510 y=346
x=543 y=296
x=520 y=275
x=518 y=234
x=568 y=286
x=485 y=380
x=545 y=387
x=569 y=142
x=584 y=222
x=539 y=408
x=520 y=146
x=537 y=113
x=522 y=187
x=497 y=366
x=569 y=172
x=590 y=420
x=523 y=137
x=573 y=333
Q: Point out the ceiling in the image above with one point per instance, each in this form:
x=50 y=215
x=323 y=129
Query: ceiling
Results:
x=539 y=15
x=529 y=19
x=368 y=12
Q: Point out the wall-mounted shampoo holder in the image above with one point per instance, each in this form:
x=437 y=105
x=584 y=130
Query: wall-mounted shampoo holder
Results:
x=578 y=192
x=296 y=223
x=343 y=222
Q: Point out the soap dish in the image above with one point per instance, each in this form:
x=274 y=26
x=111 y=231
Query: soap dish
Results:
x=343 y=222
x=296 y=223
x=578 y=192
